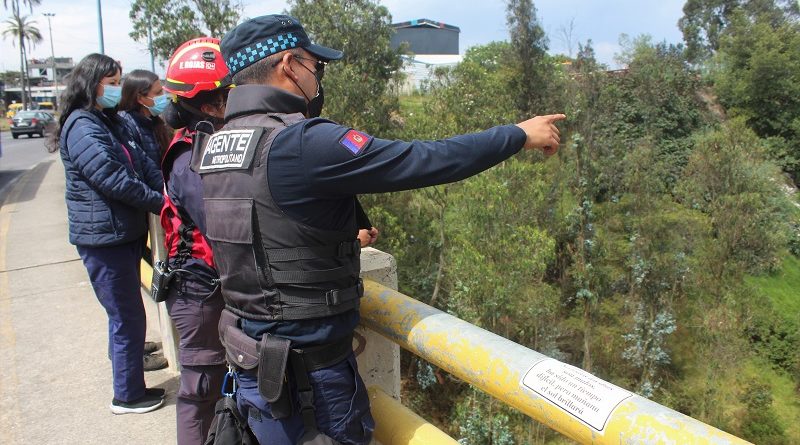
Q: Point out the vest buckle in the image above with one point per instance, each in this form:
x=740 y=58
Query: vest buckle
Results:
x=332 y=297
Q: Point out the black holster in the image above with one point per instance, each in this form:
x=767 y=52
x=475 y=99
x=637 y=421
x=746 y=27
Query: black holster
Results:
x=271 y=355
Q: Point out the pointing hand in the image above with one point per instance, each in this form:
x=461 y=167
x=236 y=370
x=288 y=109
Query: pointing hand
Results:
x=542 y=132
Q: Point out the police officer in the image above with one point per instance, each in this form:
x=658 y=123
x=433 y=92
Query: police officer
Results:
x=280 y=186
x=197 y=77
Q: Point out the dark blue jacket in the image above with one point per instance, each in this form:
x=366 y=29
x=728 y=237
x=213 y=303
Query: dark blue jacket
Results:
x=141 y=127
x=108 y=193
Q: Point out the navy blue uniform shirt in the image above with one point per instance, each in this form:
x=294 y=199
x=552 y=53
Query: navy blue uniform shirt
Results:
x=316 y=183
x=316 y=167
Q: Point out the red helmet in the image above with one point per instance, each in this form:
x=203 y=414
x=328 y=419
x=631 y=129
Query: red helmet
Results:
x=196 y=66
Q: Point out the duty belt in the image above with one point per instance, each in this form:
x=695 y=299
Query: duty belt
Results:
x=271 y=355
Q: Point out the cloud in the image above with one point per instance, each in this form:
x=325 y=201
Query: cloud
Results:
x=481 y=21
x=75 y=34
x=605 y=53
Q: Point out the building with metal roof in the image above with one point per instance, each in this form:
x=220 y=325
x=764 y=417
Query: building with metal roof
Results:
x=425 y=36
x=430 y=45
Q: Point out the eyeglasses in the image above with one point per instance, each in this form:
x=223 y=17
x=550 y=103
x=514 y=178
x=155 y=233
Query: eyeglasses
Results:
x=318 y=64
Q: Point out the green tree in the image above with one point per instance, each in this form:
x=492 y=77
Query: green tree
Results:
x=359 y=87
x=11 y=77
x=499 y=255
x=760 y=422
x=473 y=96
x=583 y=248
x=529 y=57
x=173 y=22
x=218 y=16
x=656 y=255
x=24 y=33
x=705 y=21
x=629 y=139
x=492 y=277
x=16 y=13
x=755 y=76
x=469 y=97
x=578 y=248
x=656 y=99
x=728 y=179
x=482 y=422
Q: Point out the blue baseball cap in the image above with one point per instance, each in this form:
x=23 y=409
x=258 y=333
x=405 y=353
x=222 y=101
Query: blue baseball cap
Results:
x=264 y=36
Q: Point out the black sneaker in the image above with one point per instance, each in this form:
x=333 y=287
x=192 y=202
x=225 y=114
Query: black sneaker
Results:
x=154 y=362
x=150 y=347
x=144 y=404
x=160 y=392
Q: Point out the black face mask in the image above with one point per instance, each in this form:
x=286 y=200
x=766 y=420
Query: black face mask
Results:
x=315 y=106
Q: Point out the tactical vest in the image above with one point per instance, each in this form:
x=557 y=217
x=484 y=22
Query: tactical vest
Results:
x=271 y=266
x=182 y=238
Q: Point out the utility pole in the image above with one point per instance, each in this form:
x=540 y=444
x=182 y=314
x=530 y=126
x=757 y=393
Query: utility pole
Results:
x=49 y=15
x=100 y=26
x=150 y=44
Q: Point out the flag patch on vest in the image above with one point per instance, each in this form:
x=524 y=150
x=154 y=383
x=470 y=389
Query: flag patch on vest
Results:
x=355 y=141
x=230 y=149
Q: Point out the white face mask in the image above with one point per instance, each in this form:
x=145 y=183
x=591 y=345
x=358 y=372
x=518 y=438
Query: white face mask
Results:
x=159 y=104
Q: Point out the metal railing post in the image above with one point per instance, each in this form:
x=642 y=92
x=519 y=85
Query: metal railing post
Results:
x=378 y=358
x=169 y=335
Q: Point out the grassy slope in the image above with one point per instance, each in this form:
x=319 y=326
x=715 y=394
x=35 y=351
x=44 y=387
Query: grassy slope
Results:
x=782 y=287
x=412 y=104
x=785 y=401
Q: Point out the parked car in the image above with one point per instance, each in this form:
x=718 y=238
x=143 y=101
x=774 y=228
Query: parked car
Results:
x=31 y=122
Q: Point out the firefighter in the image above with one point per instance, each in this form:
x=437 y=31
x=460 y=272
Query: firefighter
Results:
x=197 y=79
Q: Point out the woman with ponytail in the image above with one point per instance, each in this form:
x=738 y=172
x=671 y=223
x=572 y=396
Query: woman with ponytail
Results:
x=142 y=104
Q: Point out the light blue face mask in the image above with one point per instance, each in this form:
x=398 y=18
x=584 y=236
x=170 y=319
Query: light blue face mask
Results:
x=111 y=96
x=159 y=104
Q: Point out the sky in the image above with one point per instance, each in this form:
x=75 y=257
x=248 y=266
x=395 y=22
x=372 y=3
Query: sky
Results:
x=75 y=27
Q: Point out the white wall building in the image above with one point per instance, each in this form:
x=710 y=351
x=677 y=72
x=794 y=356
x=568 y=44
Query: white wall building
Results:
x=419 y=69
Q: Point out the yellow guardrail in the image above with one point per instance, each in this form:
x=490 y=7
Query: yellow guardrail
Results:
x=397 y=425
x=567 y=399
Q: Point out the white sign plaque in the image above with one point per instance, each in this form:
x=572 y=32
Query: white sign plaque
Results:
x=575 y=391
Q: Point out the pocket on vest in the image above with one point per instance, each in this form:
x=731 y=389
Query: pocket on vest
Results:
x=229 y=220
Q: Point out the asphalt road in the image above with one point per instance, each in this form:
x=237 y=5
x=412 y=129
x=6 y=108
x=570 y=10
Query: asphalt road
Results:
x=19 y=156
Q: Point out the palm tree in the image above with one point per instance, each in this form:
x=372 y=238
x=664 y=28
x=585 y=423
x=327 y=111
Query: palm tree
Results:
x=15 y=13
x=16 y=3
x=22 y=30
